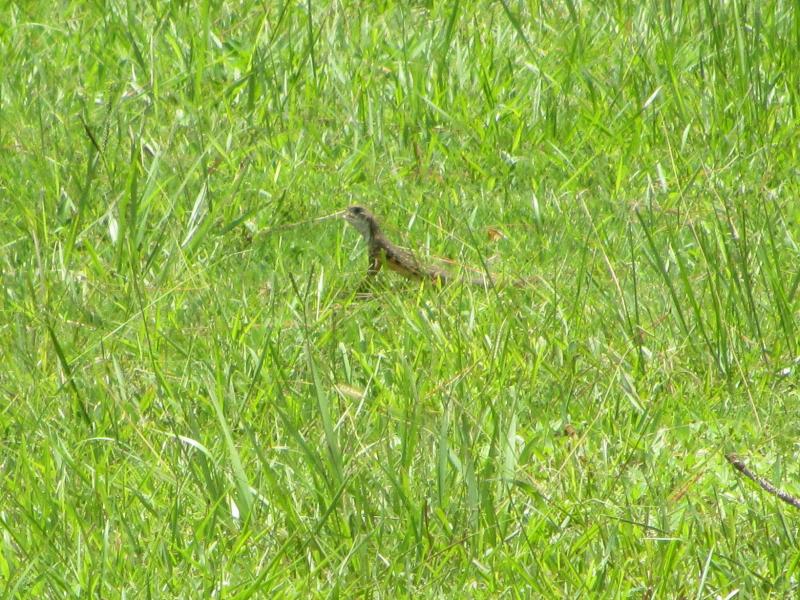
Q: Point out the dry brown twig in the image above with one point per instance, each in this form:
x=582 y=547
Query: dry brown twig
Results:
x=766 y=485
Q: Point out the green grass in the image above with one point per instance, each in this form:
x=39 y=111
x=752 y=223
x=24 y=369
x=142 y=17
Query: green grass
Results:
x=198 y=404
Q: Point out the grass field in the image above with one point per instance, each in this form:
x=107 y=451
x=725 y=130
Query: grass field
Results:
x=196 y=401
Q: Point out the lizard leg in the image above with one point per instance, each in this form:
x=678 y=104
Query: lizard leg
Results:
x=369 y=281
x=375 y=265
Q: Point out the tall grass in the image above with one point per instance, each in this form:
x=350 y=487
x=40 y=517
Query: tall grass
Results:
x=198 y=401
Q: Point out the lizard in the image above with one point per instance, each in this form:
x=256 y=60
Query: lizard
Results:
x=383 y=252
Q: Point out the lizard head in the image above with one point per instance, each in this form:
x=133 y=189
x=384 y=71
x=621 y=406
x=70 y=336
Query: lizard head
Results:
x=363 y=220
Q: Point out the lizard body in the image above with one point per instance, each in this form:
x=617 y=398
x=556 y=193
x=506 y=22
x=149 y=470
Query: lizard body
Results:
x=383 y=252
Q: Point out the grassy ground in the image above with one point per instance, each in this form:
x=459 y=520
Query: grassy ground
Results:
x=197 y=403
